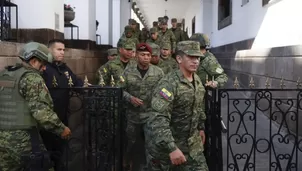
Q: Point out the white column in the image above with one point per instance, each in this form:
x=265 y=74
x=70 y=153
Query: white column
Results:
x=85 y=19
x=37 y=14
x=126 y=7
x=207 y=17
x=102 y=15
x=116 y=22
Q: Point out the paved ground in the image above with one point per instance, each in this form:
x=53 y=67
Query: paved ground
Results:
x=249 y=141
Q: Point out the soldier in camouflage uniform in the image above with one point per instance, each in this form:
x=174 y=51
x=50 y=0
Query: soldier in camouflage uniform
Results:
x=143 y=36
x=185 y=34
x=128 y=36
x=140 y=80
x=156 y=60
x=160 y=19
x=167 y=35
x=209 y=65
x=174 y=130
x=165 y=55
x=155 y=24
x=112 y=53
x=26 y=105
x=154 y=38
x=178 y=33
x=116 y=67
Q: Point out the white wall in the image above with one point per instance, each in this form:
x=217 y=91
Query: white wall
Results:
x=276 y=24
x=102 y=15
x=125 y=13
x=116 y=24
x=84 y=18
x=194 y=10
x=32 y=17
x=134 y=16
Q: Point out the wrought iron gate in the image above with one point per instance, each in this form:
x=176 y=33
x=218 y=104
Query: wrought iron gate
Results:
x=263 y=130
x=95 y=117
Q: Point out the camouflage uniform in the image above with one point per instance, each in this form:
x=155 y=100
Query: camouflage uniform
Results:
x=168 y=61
x=159 y=19
x=178 y=33
x=185 y=34
x=140 y=87
x=168 y=36
x=150 y=40
x=33 y=107
x=176 y=119
x=161 y=64
x=209 y=65
x=124 y=37
x=155 y=24
x=115 y=67
x=111 y=52
x=143 y=36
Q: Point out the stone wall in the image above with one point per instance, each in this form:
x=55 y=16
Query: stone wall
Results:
x=276 y=64
x=81 y=62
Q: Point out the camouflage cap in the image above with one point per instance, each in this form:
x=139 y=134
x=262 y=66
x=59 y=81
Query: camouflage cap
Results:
x=173 y=20
x=191 y=48
x=155 y=23
x=164 y=22
x=179 y=24
x=203 y=39
x=128 y=44
x=34 y=49
x=131 y=22
x=160 y=19
x=153 y=30
x=165 y=45
x=155 y=49
x=112 y=51
x=128 y=28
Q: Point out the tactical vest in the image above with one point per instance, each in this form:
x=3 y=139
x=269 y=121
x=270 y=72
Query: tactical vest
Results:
x=14 y=111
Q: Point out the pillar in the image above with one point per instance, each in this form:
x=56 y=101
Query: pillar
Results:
x=207 y=17
x=85 y=19
x=103 y=16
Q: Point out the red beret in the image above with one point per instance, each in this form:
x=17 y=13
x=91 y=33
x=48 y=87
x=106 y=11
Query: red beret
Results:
x=143 y=47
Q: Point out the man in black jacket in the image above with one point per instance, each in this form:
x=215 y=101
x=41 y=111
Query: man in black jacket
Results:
x=57 y=78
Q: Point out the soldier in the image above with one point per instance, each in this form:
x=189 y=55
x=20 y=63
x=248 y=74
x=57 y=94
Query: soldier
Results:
x=155 y=24
x=140 y=80
x=174 y=130
x=165 y=55
x=156 y=60
x=154 y=38
x=112 y=53
x=129 y=36
x=209 y=66
x=185 y=34
x=160 y=19
x=143 y=36
x=178 y=33
x=114 y=69
x=26 y=104
x=58 y=77
x=167 y=35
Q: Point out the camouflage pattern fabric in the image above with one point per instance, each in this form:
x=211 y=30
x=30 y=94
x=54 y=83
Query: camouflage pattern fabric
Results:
x=168 y=61
x=174 y=121
x=15 y=143
x=157 y=41
x=166 y=66
x=168 y=36
x=112 y=51
x=124 y=37
x=179 y=34
x=211 y=67
x=136 y=86
x=203 y=39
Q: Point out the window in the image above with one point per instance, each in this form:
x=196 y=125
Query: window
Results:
x=265 y=2
x=193 y=25
x=224 y=13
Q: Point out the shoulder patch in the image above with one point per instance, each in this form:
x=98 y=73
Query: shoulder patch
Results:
x=159 y=104
x=219 y=70
x=165 y=93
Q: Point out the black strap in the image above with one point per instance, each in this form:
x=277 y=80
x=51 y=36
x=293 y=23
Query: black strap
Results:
x=34 y=140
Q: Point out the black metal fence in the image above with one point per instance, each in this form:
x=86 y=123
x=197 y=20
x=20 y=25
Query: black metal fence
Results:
x=95 y=117
x=263 y=129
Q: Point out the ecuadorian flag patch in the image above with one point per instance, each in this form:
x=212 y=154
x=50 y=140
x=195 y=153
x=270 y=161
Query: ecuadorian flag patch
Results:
x=165 y=93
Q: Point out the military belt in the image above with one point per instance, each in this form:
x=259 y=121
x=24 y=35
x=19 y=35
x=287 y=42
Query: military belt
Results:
x=36 y=160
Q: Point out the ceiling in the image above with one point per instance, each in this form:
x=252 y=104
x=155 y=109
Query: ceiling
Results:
x=152 y=9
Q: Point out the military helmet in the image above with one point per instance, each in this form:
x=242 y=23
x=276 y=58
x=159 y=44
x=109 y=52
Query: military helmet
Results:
x=203 y=39
x=34 y=49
